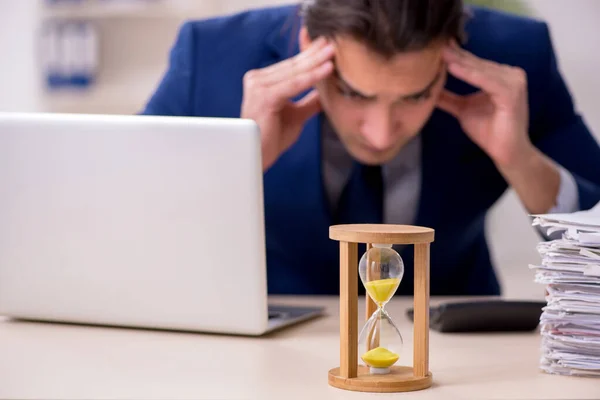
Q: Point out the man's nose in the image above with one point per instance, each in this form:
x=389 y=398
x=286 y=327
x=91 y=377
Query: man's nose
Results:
x=378 y=127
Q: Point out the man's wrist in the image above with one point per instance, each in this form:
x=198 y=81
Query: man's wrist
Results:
x=521 y=160
x=535 y=178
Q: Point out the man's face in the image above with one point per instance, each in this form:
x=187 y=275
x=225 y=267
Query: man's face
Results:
x=376 y=105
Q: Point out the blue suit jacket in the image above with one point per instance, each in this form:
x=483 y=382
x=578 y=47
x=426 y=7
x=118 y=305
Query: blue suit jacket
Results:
x=459 y=181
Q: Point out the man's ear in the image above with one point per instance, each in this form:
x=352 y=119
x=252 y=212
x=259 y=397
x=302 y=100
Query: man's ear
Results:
x=304 y=38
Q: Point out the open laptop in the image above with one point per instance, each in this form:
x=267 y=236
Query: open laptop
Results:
x=135 y=221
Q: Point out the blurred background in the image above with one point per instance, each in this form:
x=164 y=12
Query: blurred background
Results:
x=115 y=51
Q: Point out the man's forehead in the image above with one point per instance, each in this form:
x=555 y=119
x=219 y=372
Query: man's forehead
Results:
x=348 y=46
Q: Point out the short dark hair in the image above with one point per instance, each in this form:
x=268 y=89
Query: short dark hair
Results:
x=387 y=26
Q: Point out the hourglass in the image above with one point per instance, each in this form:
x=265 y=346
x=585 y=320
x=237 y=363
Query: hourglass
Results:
x=372 y=362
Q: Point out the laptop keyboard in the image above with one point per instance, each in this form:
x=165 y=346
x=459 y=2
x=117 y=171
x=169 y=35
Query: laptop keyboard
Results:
x=274 y=314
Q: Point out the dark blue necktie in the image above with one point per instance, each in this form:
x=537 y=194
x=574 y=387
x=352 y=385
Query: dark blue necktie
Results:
x=362 y=198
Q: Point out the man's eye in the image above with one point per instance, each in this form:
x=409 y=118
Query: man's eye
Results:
x=420 y=98
x=349 y=93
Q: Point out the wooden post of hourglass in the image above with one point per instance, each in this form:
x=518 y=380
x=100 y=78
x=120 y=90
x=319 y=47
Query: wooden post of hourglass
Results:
x=421 y=310
x=370 y=306
x=349 y=375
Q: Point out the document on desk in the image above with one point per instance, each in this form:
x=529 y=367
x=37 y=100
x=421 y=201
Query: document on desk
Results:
x=570 y=269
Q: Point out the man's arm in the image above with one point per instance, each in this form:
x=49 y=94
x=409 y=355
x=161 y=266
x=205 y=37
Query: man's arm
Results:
x=558 y=131
x=535 y=178
x=563 y=174
x=529 y=149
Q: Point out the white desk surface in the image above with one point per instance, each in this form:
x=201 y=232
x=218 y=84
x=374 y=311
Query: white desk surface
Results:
x=53 y=361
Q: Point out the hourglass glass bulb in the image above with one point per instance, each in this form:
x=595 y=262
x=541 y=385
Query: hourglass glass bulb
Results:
x=381 y=269
x=380 y=343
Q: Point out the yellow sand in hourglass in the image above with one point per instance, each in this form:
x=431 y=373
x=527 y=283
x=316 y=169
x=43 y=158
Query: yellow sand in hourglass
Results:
x=382 y=290
x=380 y=357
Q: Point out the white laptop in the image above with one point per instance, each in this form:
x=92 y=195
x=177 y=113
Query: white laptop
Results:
x=135 y=221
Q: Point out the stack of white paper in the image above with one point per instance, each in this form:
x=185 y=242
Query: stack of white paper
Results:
x=570 y=268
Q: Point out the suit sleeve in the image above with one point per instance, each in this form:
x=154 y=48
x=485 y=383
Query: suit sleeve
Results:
x=173 y=96
x=561 y=133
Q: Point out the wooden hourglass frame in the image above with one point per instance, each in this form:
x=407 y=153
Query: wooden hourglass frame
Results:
x=349 y=375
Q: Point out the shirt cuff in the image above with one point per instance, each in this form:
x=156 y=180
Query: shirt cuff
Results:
x=567 y=200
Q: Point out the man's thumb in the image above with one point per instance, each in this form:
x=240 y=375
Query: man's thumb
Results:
x=451 y=103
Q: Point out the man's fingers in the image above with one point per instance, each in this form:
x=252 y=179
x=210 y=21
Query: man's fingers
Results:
x=481 y=73
x=479 y=78
x=301 y=63
x=284 y=90
x=454 y=53
x=315 y=47
x=503 y=82
x=451 y=103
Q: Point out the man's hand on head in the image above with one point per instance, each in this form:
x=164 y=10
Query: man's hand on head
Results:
x=268 y=93
x=496 y=118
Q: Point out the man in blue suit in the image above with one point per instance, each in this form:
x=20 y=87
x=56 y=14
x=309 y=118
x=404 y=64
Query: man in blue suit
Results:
x=389 y=111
